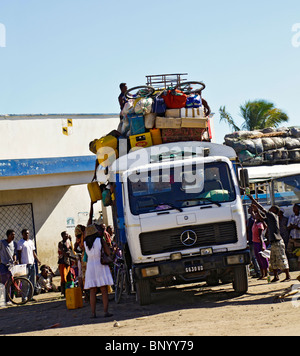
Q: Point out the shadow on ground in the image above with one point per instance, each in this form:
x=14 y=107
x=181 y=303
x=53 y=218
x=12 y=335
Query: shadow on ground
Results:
x=50 y=311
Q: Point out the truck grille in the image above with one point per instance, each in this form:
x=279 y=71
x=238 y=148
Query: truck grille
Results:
x=170 y=240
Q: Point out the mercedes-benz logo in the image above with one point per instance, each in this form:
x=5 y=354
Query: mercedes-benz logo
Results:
x=188 y=238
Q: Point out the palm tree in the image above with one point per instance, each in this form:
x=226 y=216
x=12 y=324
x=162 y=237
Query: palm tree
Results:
x=257 y=115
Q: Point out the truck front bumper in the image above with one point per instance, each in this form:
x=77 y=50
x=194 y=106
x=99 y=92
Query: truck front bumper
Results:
x=200 y=266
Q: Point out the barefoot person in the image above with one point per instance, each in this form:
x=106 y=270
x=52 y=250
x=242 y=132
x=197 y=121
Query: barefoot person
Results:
x=278 y=259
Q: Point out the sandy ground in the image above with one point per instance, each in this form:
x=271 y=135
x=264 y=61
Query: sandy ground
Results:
x=189 y=310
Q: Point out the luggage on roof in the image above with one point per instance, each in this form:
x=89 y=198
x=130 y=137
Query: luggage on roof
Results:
x=167 y=109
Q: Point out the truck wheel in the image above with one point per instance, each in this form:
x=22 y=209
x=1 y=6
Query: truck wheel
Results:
x=143 y=292
x=240 y=280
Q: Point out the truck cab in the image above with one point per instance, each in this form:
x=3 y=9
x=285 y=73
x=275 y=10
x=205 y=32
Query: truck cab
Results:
x=179 y=216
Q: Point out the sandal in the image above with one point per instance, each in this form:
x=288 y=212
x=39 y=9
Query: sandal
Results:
x=107 y=315
x=275 y=280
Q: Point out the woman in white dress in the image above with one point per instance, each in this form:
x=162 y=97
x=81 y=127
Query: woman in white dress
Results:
x=97 y=275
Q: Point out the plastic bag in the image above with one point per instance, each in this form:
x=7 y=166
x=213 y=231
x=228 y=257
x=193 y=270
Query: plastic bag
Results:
x=175 y=99
x=143 y=106
x=268 y=143
x=259 y=147
x=159 y=106
x=269 y=156
x=244 y=145
x=245 y=156
x=292 y=143
x=295 y=131
x=279 y=142
x=294 y=155
x=125 y=126
x=106 y=197
x=128 y=108
x=193 y=101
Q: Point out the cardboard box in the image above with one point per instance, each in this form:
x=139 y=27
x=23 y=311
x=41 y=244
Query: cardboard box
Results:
x=194 y=123
x=173 y=113
x=192 y=112
x=167 y=122
x=181 y=135
x=186 y=112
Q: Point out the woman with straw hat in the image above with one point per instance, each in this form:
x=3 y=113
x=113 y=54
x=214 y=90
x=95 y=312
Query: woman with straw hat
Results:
x=97 y=275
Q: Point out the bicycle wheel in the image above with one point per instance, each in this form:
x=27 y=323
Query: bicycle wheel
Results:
x=191 y=87
x=119 y=286
x=139 y=92
x=19 y=290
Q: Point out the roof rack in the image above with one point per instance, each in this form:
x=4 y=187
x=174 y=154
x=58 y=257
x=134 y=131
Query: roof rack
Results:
x=163 y=81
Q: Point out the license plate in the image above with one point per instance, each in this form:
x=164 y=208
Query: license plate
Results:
x=194 y=266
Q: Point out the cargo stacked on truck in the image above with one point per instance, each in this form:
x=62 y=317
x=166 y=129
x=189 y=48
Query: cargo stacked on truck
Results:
x=272 y=159
x=176 y=205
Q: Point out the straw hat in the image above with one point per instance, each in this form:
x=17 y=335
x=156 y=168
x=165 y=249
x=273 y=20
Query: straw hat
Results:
x=91 y=230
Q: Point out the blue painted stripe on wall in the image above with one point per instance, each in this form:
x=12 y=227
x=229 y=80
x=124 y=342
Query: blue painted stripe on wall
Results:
x=40 y=166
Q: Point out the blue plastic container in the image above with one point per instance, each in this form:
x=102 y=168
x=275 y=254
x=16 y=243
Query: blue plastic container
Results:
x=137 y=124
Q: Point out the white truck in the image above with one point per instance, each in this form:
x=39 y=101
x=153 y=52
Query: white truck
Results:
x=179 y=217
x=276 y=185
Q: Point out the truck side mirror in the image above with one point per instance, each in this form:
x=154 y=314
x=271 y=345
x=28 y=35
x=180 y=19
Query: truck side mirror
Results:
x=244 y=178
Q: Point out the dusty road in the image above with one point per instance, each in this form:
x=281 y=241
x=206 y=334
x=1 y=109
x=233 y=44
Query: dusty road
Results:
x=182 y=311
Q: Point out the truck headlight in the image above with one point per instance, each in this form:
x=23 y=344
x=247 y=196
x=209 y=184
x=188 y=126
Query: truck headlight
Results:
x=150 y=271
x=235 y=260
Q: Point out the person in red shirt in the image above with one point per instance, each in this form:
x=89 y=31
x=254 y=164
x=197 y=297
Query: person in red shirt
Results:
x=259 y=245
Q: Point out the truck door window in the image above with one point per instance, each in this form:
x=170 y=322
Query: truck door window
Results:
x=287 y=190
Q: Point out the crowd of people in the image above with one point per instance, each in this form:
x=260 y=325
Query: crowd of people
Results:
x=274 y=239
x=78 y=264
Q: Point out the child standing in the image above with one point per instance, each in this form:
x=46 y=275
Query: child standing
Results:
x=259 y=245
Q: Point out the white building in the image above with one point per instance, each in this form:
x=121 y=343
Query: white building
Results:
x=45 y=165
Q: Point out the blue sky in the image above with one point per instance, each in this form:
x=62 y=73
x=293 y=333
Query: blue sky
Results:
x=69 y=56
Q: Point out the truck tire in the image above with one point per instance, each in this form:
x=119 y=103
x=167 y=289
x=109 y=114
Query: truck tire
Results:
x=143 y=292
x=240 y=280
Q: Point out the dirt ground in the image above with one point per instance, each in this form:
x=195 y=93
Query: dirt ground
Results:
x=186 y=310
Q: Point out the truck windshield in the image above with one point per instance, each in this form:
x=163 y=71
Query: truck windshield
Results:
x=160 y=192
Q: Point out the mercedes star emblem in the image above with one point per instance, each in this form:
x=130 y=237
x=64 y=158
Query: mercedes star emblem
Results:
x=188 y=238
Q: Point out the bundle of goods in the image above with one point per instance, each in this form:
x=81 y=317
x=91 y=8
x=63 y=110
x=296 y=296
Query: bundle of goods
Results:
x=267 y=146
x=165 y=110
x=162 y=116
x=151 y=117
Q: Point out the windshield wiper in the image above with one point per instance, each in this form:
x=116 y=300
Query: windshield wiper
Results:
x=172 y=206
x=205 y=199
x=165 y=207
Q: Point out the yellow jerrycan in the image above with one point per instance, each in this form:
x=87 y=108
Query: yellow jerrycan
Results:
x=94 y=191
x=74 y=298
